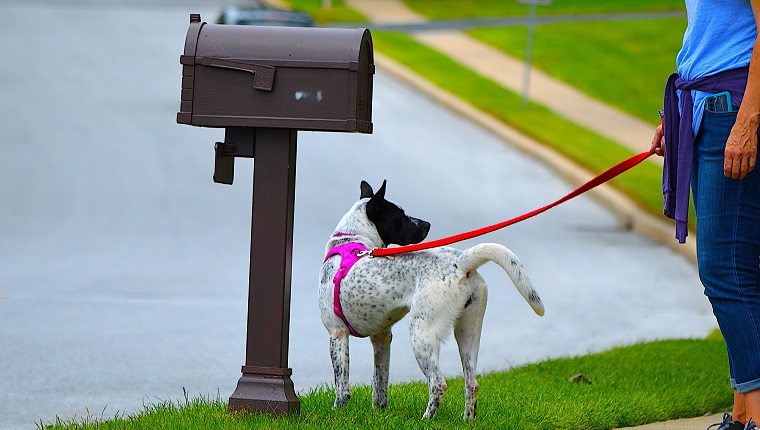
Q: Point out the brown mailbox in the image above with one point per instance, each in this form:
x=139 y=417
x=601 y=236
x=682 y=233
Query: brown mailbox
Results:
x=262 y=85
x=317 y=79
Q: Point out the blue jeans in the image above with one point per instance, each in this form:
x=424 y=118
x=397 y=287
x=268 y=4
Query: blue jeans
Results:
x=728 y=248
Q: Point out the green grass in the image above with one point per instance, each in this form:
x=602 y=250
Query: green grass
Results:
x=630 y=385
x=338 y=12
x=454 y=9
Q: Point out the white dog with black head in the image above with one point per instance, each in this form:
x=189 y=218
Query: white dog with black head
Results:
x=440 y=289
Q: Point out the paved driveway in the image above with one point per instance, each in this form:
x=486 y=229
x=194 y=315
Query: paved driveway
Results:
x=123 y=267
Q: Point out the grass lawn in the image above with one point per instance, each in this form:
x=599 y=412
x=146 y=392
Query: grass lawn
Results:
x=630 y=385
x=338 y=12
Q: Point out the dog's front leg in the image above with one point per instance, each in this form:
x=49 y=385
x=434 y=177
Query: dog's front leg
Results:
x=381 y=344
x=339 y=356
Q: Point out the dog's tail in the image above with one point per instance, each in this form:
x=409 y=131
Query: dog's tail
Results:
x=478 y=255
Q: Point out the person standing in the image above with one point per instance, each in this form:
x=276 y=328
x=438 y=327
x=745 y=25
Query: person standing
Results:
x=709 y=140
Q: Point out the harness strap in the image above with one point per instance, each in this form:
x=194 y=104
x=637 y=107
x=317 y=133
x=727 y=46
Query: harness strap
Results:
x=349 y=253
x=594 y=182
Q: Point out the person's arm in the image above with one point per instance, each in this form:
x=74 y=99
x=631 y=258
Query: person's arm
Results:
x=741 y=147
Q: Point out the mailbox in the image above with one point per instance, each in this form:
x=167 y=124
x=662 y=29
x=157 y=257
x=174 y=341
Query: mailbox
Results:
x=317 y=79
x=262 y=85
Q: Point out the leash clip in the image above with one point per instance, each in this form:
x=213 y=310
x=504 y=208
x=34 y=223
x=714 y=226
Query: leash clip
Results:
x=366 y=253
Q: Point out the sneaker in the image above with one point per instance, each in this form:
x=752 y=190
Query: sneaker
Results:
x=751 y=425
x=728 y=423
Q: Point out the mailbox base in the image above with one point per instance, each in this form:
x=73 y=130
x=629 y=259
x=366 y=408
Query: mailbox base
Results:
x=267 y=390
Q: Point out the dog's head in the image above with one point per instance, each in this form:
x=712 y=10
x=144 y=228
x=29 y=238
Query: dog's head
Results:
x=392 y=224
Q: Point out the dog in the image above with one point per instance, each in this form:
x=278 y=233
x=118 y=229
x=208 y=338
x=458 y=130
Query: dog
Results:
x=439 y=289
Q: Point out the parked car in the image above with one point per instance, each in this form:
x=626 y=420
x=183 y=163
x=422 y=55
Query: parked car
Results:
x=260 y=13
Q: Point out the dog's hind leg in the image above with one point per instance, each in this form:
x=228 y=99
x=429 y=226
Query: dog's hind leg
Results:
x=381 y=344
x=467 y=334
x=339 y=356
x=426 y=344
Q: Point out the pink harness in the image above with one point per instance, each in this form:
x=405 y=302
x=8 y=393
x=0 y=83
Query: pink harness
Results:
x=349 y=253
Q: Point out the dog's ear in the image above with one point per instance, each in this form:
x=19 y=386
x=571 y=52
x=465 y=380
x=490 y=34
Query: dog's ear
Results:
x=366 y=190
x=380 y=194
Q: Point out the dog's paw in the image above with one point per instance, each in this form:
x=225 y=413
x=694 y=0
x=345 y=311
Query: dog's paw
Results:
x=379 y=404
x=470 y=412
x=341 y=401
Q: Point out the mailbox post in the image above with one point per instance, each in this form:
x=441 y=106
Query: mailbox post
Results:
x=262 y=85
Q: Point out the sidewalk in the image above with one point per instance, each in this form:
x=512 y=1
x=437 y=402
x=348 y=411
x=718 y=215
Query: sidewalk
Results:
x=555 y=95
x=700 y=423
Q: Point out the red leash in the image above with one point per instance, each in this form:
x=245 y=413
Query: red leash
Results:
x=594 y=182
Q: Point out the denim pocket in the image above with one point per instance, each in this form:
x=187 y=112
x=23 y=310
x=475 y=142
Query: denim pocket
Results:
x=719 y=121
x=715 y=127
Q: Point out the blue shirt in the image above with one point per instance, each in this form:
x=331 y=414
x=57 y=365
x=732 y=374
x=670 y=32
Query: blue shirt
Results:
x=720 y=36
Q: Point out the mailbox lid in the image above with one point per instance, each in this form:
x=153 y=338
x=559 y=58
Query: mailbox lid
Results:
x=308 y=45
x=282 y=77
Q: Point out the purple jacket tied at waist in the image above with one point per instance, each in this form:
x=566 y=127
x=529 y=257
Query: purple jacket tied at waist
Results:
x=679 y=137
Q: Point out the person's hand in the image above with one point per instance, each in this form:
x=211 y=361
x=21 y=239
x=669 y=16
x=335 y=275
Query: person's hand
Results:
x=658 y=141
x=741 y=149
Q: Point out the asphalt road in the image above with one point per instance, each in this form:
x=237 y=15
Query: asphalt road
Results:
x=123 y=267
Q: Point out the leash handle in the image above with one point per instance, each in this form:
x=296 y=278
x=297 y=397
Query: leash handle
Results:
x=601 y=178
